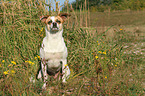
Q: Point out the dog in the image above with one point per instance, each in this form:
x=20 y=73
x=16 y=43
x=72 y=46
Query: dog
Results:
x=53 y=52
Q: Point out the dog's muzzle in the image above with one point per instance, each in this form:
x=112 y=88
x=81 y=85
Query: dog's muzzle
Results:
x=54 y=27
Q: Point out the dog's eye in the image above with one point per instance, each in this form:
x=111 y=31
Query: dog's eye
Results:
x=58 y=21
x=49 y=21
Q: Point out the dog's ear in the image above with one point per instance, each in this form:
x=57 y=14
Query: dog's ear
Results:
x=64 y=16
x=43 y=18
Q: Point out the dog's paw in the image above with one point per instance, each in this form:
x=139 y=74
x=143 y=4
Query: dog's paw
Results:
x=44 y=86
x=64 y=81
x=39 y=76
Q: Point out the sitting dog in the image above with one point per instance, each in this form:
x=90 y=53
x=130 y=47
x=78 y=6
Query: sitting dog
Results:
x=53 y=52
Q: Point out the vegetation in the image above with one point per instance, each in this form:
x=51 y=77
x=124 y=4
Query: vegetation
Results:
x=111 y=5
x=101 y=63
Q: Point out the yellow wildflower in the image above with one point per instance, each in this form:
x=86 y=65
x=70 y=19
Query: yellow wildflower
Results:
x=0 y=65
x=98 y=44
x=104 y=53
x=41 y=29
x=99 y=52
x=35 y=57
x=121 y=29
x=30 y=62
x=13 y=62
x=12 y=71
x=26 y=61
x=96 y=57
x=10 y=65
x=6 y=72
x=97 y=41
x=3 y=61
x=38 y=57
x=92 y=53
x=115 y=65
x=66 y=65
x=105 y=76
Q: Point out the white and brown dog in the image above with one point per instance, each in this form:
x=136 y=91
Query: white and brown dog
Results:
x=53 y=52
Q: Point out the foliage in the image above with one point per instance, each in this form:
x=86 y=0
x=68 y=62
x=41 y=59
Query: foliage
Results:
x=103 y=5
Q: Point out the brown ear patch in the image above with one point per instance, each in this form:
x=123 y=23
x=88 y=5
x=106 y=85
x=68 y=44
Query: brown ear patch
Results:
x=58 y=18
x=64 y=16
x=43 y=18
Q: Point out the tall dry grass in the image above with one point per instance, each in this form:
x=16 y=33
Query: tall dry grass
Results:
x=99 y=65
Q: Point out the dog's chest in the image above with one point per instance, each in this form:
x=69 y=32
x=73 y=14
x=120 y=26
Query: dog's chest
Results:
x=53 y=49
x=53 y=46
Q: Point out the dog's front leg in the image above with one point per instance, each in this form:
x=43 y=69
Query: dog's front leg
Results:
x=39 y=76
x=44 y=71
x=65 y=71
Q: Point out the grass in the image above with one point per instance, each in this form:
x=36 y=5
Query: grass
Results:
x=118 y=18
x=100 y=64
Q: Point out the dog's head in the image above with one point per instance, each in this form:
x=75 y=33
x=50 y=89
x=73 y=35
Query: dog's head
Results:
x=54 y=23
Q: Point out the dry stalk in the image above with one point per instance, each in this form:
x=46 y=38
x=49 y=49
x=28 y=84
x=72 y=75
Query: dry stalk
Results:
x=80 y=15
x=76 y=22
x=86 y=13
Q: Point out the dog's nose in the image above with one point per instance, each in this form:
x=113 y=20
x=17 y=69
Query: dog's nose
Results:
x=54 y=25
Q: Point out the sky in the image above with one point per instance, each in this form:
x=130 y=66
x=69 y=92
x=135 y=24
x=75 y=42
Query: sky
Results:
x=61 y=2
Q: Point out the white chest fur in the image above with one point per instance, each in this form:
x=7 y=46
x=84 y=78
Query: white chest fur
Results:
x=53 y=45
x=53 y=49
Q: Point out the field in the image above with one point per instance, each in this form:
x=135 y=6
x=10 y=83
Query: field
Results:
x=106 y=56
